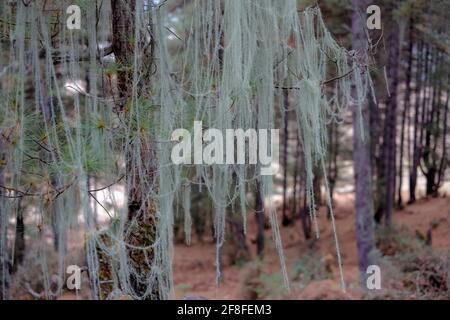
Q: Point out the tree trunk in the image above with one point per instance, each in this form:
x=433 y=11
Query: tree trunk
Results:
x=361 y=158
x=374 y=124
x=333 y=150
x=405 y=113
x=430 y=166
x=260 y=220
x=286 y=221
x=305 y=218
x=389 y=143
x=4 y=261
x=19 y=242
x=443 y=163
x=296 y=184
x=424 y=106
x=141 y=209
x=317 y=181
x=420 y=61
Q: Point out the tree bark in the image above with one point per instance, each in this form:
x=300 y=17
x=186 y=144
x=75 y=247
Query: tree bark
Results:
x=432 y=133
x=361 y=157
x=260 y=220
x=296 y=184
x=4 y=260
x=405 y=113
x=420 y=61
x=444 y=162
x=333 y=150
x=286 y=221
x=141 y=209
x=19 y=242
x=305 y=218
x=389 y=143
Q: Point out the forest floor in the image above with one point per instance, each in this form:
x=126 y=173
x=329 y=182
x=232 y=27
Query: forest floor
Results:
x=411 y=258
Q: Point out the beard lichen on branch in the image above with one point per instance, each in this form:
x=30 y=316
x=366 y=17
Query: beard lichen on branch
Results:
x=229 y=69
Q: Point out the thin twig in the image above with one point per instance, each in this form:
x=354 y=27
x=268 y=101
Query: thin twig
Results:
x=93 y=197
x=108 y=186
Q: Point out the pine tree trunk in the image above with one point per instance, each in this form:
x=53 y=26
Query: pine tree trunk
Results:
x=444 y=162
x=259 y=209
x=430 y=168
x=305 y=218
x=260 y=220
x=405 y=113
x=361 y=158
x=317 y=181
x=389 y=144
x=296 y=167
x=4 y=261
x=374 y=124
x=416 y=147
x=424 y=107
x=286 y=221
x=332 y=174
x=376 y=155
x=140 y=209
x=19 y=241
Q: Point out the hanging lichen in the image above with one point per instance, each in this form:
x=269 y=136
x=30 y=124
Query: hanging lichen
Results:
x=229 y=70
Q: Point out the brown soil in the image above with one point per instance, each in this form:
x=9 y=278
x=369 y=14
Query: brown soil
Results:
x=194 y=266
